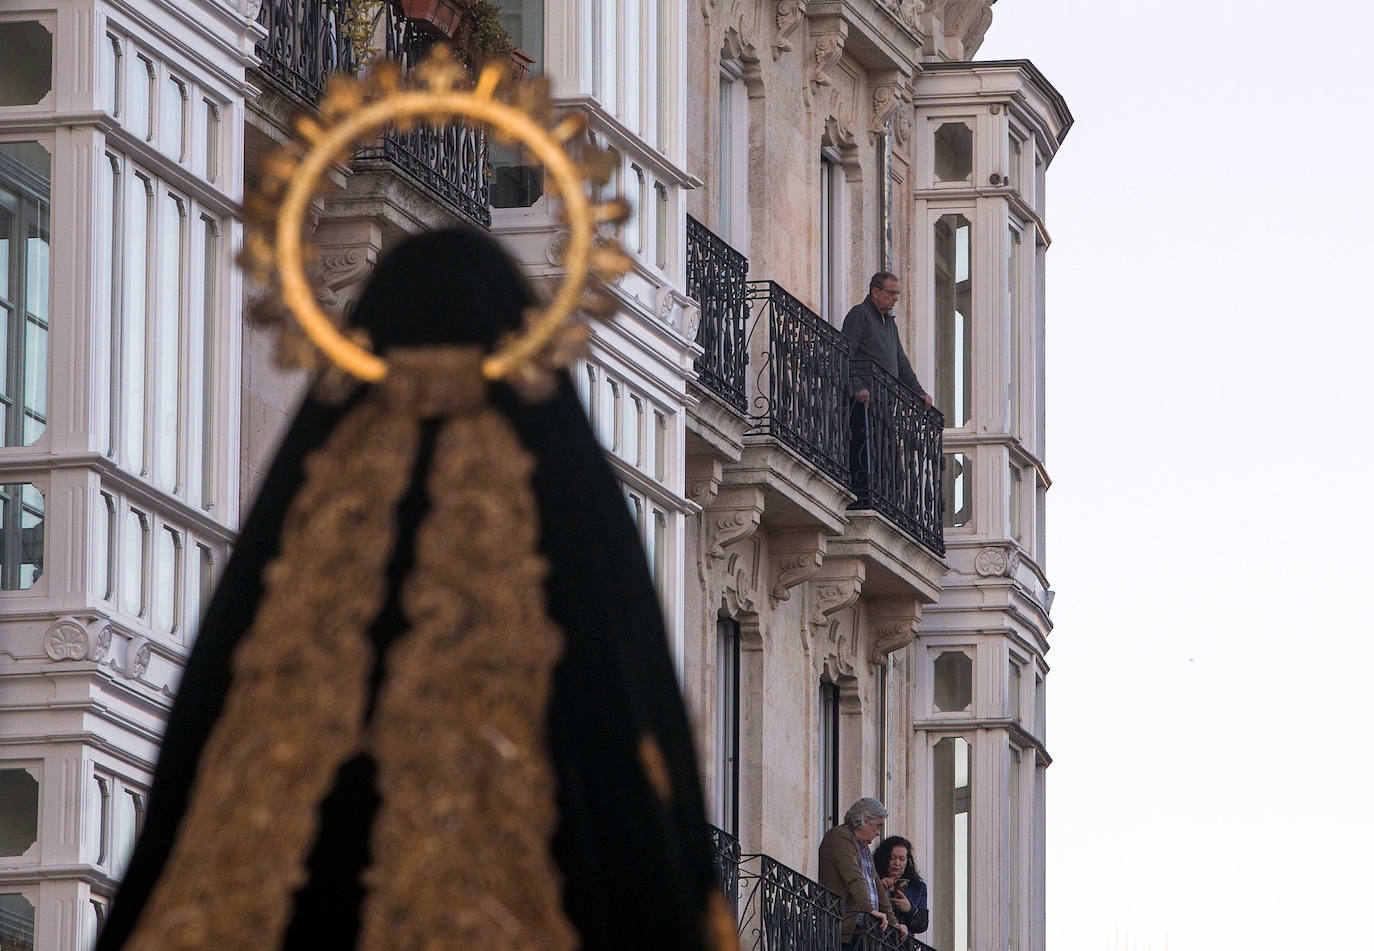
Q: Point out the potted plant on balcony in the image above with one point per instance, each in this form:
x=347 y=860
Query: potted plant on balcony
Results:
x=472 y=27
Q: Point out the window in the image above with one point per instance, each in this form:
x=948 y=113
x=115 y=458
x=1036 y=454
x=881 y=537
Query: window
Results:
x=634 y=228
x=1012 y=310
x=732 y=134
x=954 y=319
x=1014 y=689
x=168 y=379
x=19 y=818
x=141 y=98
x=98 y=806
x=210 y=116
x=958 y=490
x=21 y=536
x=1013 y=160
x=111 y=74
x=199 y=588
x=105 y=527
x=516 y=182
x=832 y=238
x=128 y=824
x=828 y=754
x=24 y=251
x=634 y=440
x=662 y=224
x=25 y=63
x=606 y=18
x=133 y=365
x=663 y=29
x=632 y=62
x=880 y=702
x=953 y=152
x=134 y=567
x=1014 y=491
x=108 y=310
x=173 y=121
x=727 y=724
x=16 y=922
x=951 y=879
x=167 y=581
x=1012 y=867
x=658 y=549
x=201 y=407
x=660 y=446
x=953 y=682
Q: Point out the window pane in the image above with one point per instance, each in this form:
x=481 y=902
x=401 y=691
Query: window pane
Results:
x=201 y=361
x=134 y=562
x=135 y=321
x=167 y=580
x=107 y=283
x=16 y=922
x=141 y=98
x=111 y=67
x=211 y=146
x=25 y=63
x=951 y=878
x=19 y=818
x=98 y=819
x=953 y=682
x=167 y=376
x=660 y=446
x=173 y=121
x=953 y=152
x=953 y=319
x=958 y=490
x=632 y=60
x=21 y=536
x=24 y=262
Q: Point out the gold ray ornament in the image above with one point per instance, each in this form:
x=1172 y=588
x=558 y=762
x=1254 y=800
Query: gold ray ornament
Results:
x=436 y=91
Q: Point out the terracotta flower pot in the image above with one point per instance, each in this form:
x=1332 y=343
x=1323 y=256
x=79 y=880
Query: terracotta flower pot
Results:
x=437 y=16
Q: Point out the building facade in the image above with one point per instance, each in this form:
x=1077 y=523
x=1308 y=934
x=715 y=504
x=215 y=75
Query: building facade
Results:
x=776 y=152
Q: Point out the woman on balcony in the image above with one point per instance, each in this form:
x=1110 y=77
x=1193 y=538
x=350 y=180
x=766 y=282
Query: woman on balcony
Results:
x=904 y=884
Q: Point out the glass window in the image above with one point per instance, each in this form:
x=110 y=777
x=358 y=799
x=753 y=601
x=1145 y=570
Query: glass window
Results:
x=662 y=224
x=21 y=536
x=106 y=343
x=135 y=563
x=727 y=724
x=951 y=879
x=16 y=922
x=954 y=319
x=201 y=398
x=828 y=754
x=1013 y=160
x=1014 y=519
x=633 y=61
x=168 y=379
x=659 y=550
x=958 y=490
x=831 y=243
x=103 y=531
x=664 y=29
x=25 y=194
x=201 y=587
x=128 y=824
x=634 y=443
x=634 y=228
x=607 y=42
x=141 y=96
x=1012 y=310
x=25 y=63
x=19 y=818
x=1039 y=707
x=98 y=818
x=660 y=446
x=173 y=121
x=1012 y=867
x=880 y=701
x=135 y=320
x=953 y=152
x=167 y=579
x=953 y=682
x=1014 y=690
x=211 y=120
x=111 y=73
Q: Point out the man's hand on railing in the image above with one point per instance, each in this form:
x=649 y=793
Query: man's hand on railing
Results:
x=882 y=919
x=925 y=398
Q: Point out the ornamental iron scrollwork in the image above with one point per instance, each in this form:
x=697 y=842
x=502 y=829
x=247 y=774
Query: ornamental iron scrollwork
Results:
x=716 y=279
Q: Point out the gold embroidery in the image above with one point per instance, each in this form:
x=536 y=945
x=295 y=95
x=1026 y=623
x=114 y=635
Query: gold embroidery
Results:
x=294 y=710
x=460 y=846
x=655 y=767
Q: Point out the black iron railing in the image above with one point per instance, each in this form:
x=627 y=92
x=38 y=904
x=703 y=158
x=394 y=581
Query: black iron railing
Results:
x=905 y=438
x=869 y=937
x=804 y=401
x=725 y=858
x=786 y=911
x=306 y=41
x=716 y=276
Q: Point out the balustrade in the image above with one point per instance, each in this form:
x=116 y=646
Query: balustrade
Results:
x=725 y=857
x=716 y=276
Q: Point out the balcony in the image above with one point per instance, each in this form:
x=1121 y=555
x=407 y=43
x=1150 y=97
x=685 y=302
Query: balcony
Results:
x=786 y=911
x=308 y=39
x=716 y=276
x=906 y=463
x=806 y=402
x=725 y=858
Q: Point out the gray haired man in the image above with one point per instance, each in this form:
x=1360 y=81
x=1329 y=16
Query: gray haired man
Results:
x=847 y=867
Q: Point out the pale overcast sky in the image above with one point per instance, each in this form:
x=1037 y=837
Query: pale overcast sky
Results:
x=1210 y=335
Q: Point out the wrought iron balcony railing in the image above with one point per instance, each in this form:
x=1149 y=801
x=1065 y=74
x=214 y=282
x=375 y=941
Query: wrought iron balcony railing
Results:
x=725 y=855
x=905 y=438
x=804 y=400
x=869 y=937
x=716 y=276
x=308 y=39
x=305 y=43
x=786 y=911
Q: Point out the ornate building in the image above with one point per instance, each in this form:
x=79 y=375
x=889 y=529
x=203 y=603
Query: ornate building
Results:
x=777 y=152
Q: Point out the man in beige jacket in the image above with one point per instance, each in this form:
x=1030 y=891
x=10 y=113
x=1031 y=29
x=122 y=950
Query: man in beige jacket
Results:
x=847 y=867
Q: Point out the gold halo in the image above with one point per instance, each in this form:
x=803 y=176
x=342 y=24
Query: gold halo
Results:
x=436 y=100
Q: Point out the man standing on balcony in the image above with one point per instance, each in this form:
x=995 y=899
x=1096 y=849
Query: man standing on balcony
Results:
x=870 y=332
x=847 y=868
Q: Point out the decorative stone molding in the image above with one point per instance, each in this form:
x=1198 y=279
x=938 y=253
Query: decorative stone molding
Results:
x=102 y=638
x=66 y=639
x=893 y=623
x=994 y=562
x=557 y=245
x=957 y=27
x=797 y=556
x=787 y=15
x=740 y=33
x=139 y=654
x=836 y=588
x=341 y=268
x=887 y=99
x=733 y=517
x=703 y=480
x=827 y=46
x=739 y=588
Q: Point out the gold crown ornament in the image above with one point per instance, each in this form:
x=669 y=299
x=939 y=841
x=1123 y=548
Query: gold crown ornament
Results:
x=436 y=91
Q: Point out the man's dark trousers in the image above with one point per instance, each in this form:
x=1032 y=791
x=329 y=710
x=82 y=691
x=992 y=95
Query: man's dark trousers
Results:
x=860 y=456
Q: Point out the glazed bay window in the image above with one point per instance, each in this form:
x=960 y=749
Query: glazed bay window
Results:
x=158 y=331
x=21 y=536
x=953 y=242
x=952 y=869
x=25 y=197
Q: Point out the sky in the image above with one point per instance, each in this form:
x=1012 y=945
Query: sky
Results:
x=1210 y=522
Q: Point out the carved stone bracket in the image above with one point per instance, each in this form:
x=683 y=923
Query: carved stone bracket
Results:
x=827 y=46
x=703 y=480
x=732 y=517
x=887 y=98
x=893 y=623
x=835 y=587
x=740 y=34
x=787 y=15
x=905 y=116
x=956 y=26
x=797 y=556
